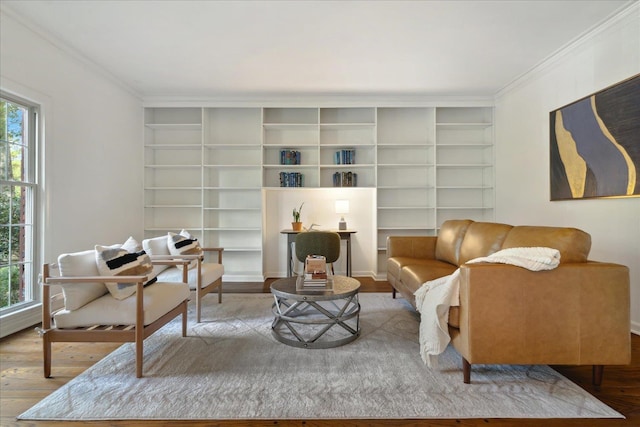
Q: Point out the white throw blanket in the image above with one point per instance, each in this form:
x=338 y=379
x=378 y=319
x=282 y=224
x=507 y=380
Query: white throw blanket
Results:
x=434 y=297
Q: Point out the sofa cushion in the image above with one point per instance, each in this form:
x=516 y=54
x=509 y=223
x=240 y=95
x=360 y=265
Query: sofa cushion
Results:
x=80 y=264
x=450 y=239
x=159 y=298
x=574 y=245
x=395 y=264
x=414 y=275
x=210 y=273
x=482 y=239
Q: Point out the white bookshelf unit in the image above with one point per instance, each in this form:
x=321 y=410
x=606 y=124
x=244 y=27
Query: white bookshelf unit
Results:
x=350 y=130
x=232 y=187
x=173 y=170
x=406 y=175
x=464 y=161
x=206 y=169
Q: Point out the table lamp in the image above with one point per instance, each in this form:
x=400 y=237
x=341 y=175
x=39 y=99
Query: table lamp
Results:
x=342 y=207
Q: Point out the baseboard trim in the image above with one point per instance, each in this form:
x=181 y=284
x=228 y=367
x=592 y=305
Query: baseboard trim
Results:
x=635 y=328
x=19 y=320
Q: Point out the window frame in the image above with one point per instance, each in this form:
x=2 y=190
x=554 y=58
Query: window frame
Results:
x=32 y=180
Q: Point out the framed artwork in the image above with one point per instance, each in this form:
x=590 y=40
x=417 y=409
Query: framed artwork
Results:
x=595 y=144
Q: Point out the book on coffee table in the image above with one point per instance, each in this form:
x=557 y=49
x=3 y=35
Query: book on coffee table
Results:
x=315 y=271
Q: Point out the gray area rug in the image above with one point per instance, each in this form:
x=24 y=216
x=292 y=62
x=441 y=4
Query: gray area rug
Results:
x=230 y=367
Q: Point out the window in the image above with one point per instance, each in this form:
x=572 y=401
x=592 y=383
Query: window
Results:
x=18 y=190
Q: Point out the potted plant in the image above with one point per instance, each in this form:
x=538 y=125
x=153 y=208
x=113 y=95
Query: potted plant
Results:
x=296 y=225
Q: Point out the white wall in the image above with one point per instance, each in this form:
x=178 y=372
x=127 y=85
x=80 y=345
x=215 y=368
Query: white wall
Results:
x=93 y=133
x=91 y=175
x=605 y=57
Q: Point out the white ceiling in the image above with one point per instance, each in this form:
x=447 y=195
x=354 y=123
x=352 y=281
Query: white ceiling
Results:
x=263 y=48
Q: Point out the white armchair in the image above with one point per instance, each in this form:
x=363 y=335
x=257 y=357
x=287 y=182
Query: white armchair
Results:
x=202 y=277
x=94 y=311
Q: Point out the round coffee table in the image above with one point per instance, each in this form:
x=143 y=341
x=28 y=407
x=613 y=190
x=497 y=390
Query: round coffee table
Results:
x=316 y=318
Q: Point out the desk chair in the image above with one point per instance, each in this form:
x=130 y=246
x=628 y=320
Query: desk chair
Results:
x=325 y=243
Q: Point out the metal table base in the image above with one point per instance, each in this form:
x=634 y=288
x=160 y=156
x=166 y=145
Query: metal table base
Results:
x=316 y=318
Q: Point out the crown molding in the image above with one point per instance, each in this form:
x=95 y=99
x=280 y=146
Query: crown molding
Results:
x=325 y=100
x=74 y=54
x=625 y=12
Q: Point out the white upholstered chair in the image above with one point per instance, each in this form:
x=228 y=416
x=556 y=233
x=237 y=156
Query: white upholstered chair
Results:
x=118 y=307
x=202 y=277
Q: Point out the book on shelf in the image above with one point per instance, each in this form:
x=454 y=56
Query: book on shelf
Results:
x=291 y=179
x=345 y=157
x=290 y=157
x=345 y=179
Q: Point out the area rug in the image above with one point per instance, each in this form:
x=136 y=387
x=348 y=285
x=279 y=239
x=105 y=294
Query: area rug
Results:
x=230 y=367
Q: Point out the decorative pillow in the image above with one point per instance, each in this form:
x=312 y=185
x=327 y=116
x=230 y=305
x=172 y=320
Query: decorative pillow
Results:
x=80 y=264
x=183 y=244
x=120 y=262
x=132 y=245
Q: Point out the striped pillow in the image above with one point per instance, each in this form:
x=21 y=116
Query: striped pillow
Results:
x=120 y=262
x=183 y=244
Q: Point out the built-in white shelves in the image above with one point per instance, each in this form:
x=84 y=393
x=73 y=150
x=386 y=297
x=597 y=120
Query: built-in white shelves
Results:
x=465 y=159
x=203 y=173
x=320 y=136
x=206 y=168
x=405 y=173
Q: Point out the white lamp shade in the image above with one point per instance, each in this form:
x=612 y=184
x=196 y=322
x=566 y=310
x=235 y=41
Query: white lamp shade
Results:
x=342 y=206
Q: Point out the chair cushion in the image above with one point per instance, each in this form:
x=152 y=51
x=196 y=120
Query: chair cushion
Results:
x=210 y=273
x=82 y=263
x=157 y=246
x=120 y=262
x=159 y=299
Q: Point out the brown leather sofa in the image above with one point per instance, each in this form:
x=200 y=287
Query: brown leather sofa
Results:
x=575 y=314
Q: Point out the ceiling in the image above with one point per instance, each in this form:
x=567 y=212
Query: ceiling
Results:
x=291 y=48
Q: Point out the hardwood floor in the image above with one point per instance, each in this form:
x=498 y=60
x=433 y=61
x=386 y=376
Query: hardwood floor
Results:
x=23 y=385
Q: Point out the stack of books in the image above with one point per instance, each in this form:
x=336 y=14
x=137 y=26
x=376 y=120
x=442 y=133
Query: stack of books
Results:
x=291 y=179
x=315 y=272
x=345 y=157
x=345 y=179
x=289 y=157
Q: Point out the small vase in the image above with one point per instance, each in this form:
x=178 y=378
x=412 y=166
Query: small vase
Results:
x=296 y=226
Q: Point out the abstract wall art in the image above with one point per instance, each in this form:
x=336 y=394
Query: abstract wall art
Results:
x=595 y=144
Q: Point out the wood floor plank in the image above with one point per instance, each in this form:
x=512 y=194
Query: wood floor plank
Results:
x=22 y=384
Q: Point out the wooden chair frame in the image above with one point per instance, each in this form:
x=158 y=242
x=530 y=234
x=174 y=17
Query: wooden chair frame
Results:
x=184 y=260
x=102 y=333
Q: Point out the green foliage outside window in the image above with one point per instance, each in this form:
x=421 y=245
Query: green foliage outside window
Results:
x=10 y=289
x=12 y=152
